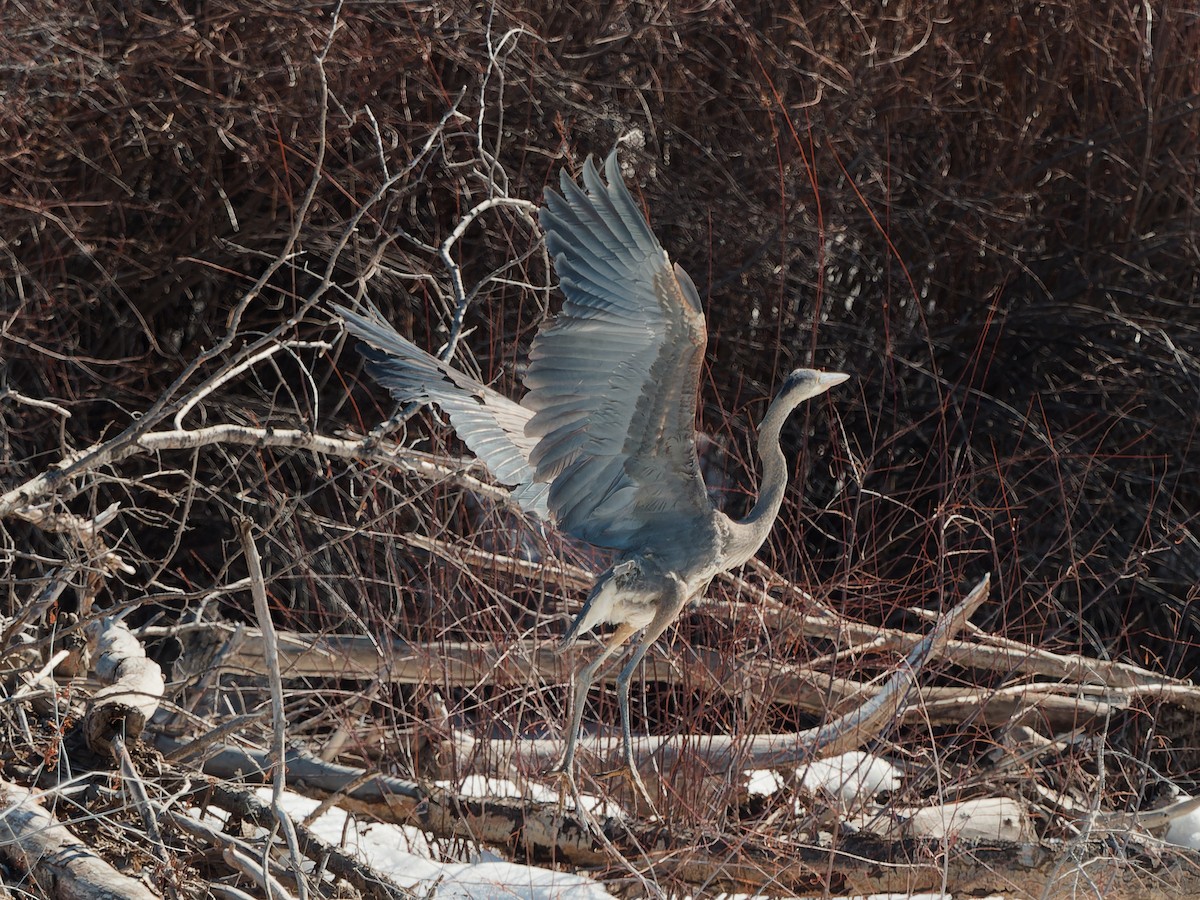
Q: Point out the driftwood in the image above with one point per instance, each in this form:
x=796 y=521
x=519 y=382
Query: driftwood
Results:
x=1083 y=689
x=862 y=864
x=247 y=807
x=1060 y=704
x=134 y=685
x=33 y=842
x=912 y=854
x=549 y=830
x=978 y=819
x=724 y=755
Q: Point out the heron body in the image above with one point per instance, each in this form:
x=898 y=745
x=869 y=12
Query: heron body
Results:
x=627 y=592
x=603 y=444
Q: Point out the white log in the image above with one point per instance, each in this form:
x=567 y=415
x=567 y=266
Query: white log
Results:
x=134 y=686
x=35 y=843
x=979 y=819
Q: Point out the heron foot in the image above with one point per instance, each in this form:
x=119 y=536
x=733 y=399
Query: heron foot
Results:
x=630 y=774
x=566 y=785
x=563 y=773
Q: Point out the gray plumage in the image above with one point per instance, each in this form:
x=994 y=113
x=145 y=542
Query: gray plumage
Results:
x=490 y=424
x=603 y=444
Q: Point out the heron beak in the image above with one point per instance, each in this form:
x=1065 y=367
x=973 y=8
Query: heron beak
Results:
x=831 y=379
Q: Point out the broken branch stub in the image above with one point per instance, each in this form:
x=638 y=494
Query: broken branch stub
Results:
x=134 y=686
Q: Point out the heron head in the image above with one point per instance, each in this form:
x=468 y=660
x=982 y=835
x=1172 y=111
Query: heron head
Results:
x=806 y=383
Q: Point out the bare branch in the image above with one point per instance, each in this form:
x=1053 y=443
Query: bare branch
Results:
x=278 y=715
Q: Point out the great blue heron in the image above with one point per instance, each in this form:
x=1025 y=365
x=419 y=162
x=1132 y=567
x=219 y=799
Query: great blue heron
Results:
x=603 y=443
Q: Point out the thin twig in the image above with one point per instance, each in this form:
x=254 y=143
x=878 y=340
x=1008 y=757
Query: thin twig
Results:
x=462 y=301
x=258 y=591
x=133 y=783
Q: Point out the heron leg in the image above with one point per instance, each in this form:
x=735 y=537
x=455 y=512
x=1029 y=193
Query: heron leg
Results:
x=669 y=606
x=583 y=683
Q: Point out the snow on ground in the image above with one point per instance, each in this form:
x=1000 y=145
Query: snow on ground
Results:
x=850 y=779
x=1184 y=831
x=404 y=854
x=481 y=880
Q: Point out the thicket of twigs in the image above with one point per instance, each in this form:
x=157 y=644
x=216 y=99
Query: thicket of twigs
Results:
x=987 y=214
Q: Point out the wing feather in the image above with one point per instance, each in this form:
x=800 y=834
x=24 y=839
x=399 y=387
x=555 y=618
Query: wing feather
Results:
x=490 y=424
x=604 y=441
x=613 y=380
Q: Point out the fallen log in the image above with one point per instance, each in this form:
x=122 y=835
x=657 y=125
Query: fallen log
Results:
x=748 y=862
x=33 y=842
x=1102 y=690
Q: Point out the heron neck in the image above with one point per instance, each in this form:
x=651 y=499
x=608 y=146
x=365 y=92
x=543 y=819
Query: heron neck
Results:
x=750 y=533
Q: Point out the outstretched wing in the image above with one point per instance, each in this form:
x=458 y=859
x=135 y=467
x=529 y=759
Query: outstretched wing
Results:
x=490 y=424
x=613 y=380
